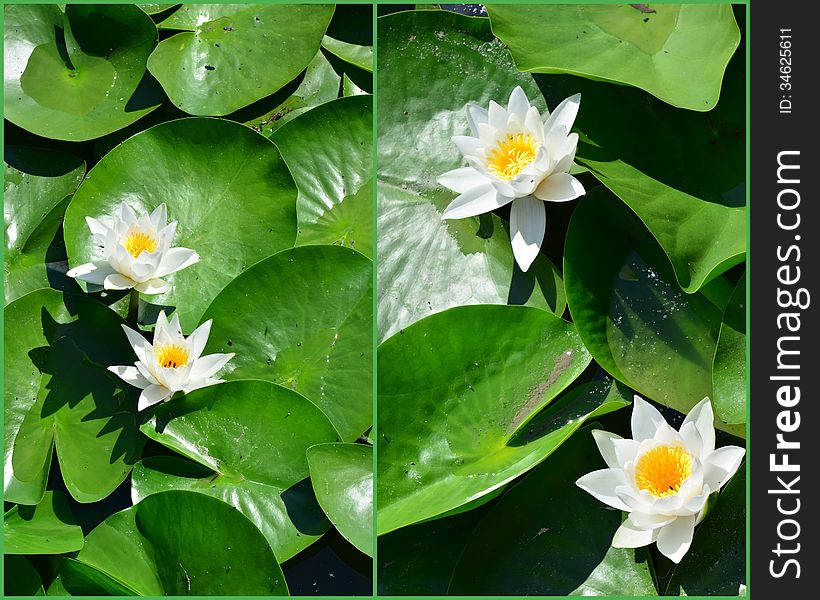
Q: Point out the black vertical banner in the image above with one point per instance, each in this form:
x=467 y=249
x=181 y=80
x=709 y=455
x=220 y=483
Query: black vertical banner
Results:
x=783 y=279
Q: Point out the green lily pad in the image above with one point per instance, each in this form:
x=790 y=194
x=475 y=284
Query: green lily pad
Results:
x=547 y=537
x=153 y=9
x=77 y=75
x=36 y=184
x=699 y=220
x=305 y=323
x=716 y=563
x=59 y=395
x=230 y=55
x=633 y=317
x=457 y=393
x=729 y=368
x=359 y=56
x=427 y=265
x=156 y=548
x=20 y=577
x=675 y=52
x=349 y=88
x=330 y=154
x=48 y=528
x=248 y=439
x=419 y=560
x=342 y=477
x=320 y=84
x=226 y=186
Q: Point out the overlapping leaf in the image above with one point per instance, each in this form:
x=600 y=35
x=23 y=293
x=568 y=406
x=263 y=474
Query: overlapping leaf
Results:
x=675 y=52
x=230 y=55
x=79 y=74
x=248 y=439
x=729 y=368
x=227 y=187
x=48 y=528
x=427 y=265
x=58 y=395
x=305 y=323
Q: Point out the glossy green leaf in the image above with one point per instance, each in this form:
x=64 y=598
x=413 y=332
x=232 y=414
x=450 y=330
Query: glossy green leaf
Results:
x=79 y=75
x=252 y=437
x=675 y=52
x=153 y=9
x=548 y=537
x=634 y=319
x=342 y=477
x=305 y=323
x=683 y=173
x=227 y=187
x=729 y=369
x=58 y=394
x=349 y=88
x=230 y=55
x=457 y=392
x=320 y=84
x=156 y=548
x=330 y=154
x=359 y=56
x=20 y=578
x=716 y=563
x=427 y=265
x=48 y=528
x=35 y=186
x=419 y=560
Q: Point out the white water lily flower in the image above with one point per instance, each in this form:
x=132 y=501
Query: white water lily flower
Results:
x=136 y=252
x=172 y=363
x=515 y=157
x=661 y=477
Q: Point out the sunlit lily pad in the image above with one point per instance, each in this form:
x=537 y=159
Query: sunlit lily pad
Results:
x=330 y=153
x=359 y=56
x=248 y=439
x=427 y=265
x=156 y=548
x=77 y=75
x=729 y=374
x=227 y=187
x=457 y=392
x=303 y=319
x=230 y=55
x=48 y=528
x=58 y=395
x=342 y=476
x=675 y=52
x=37 y=182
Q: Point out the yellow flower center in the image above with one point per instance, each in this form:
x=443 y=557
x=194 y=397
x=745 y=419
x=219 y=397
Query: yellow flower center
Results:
x=171 y=356
x=662 y=470
x=511 y=155
x=137 y=242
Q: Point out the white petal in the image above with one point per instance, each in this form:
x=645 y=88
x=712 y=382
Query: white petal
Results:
x=127 y=215
x=145 y=370
x=198 y=339
x=201 y=383
x=162 y=337
x=626 y=450
x=97 y=227
x=476 y=201
x=475 y=115
x=532 y=123
x=528 y=222
x=159 y=218
x=153 y=286
x=92 y=272
x=604 y=441
x=645 y=420
x=497 y=116
x=703 y=418
x=152 y=395
x=140 y=345
x=174 y=328
x=566 y=156
x=118 y=281
x=564 y=114
x=674 y=539
x=130 y=375
x=467 y=144
x=462 y=180
x=602 y=484
x=175 y=260
x=643 y=520
x=630 y=536
x=559 y=187
x=721 y=465
x=207 y=366
x=518 y=103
